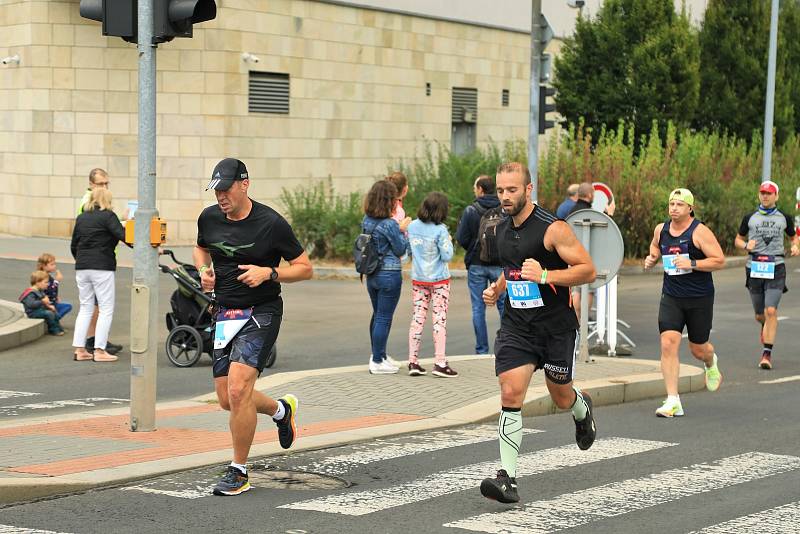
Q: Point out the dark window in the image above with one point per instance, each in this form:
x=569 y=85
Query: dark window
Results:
x=268 y=93
x=428 y=89
x=505 y=98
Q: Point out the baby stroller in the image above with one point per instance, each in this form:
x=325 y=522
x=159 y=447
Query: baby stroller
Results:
x=189 y=323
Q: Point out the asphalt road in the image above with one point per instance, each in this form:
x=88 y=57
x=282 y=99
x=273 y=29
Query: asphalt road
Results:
x=325 y=325
x=734 y=454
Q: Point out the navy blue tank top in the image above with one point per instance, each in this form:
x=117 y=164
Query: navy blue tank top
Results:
x=695 y=283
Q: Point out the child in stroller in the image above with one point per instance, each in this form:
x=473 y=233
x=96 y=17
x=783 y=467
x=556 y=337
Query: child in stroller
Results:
x=190 y=322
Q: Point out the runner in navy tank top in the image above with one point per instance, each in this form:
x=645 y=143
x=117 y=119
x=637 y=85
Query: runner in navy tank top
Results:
x=689 y=252
x=541 y=259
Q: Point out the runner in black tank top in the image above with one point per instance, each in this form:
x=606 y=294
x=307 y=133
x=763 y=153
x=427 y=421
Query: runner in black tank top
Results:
x=689 y=252
x=541 y=259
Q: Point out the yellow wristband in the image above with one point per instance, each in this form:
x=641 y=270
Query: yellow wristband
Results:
x=544 y=277
x=202 y=269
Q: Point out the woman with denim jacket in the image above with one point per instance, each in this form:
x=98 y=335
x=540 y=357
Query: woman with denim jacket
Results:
x=384 y=285
x=431 y=250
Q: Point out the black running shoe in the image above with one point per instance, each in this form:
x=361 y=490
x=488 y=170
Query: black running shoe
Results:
x=502 y=488
x=287 y=431
x=585 y=430
x=233 y=483
x=112 y=348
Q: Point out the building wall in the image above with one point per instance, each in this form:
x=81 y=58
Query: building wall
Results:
x=358 y=102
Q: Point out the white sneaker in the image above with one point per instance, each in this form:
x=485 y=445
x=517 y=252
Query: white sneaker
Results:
x=392 y=361
x=383 y=368
x=670 y=408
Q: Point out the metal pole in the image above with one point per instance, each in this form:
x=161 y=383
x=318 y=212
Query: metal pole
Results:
x=533 y=122
x=766 y=172
x=583 y=351
x=144 y=291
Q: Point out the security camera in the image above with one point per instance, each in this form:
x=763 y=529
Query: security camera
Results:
x=576 y=4
x=10 y=59
x=250 y=58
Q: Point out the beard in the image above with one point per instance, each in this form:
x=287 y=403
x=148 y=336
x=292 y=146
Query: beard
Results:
x=516 y=207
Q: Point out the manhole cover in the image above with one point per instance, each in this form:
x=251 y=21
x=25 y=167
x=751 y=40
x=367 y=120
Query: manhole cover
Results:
x=296 y=480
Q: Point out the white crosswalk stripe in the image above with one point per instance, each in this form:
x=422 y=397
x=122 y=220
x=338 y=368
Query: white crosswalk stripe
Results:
x=8 y=529
x=630 y=495
x=6 y=394
x=781 y=520
x=377 y=450
x=470 y=476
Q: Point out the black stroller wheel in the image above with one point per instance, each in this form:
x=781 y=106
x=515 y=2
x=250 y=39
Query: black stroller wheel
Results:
x=184 y=346
x=273 y=354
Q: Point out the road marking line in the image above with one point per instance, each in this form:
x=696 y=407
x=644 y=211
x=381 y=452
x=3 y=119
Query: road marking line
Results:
x=783 y=317
x=4 y=394
x=8 y=529
x=470 y=476
x=363 y=453
x=780 y=380
x=618 y=498
x=775 y=520
x=90 y=402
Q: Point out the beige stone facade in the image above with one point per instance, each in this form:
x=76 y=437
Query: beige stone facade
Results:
x=357 y=102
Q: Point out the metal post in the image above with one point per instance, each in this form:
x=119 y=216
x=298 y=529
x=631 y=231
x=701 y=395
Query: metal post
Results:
x=533 y=122
x=584 y=331
x=612 y=317
x=144 y=291
x=766 y=172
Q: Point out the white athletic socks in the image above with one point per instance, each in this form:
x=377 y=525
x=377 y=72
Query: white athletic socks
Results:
x=509 y=431
x=240 y=467
x=579 y=408
x=280 y=413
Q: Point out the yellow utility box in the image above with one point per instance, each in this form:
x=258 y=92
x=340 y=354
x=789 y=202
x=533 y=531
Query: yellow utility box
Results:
x=158 y=231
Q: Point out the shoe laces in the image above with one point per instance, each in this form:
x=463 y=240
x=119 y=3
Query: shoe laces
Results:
x=232 y=476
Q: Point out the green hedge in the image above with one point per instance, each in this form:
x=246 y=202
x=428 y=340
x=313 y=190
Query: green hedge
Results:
x=723 y=173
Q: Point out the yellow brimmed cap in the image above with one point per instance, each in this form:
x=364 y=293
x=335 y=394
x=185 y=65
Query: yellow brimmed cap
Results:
x=684 y=195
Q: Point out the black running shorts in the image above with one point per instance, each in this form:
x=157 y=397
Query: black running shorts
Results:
x=554 y=352
x=252 y=345
x=695 y=313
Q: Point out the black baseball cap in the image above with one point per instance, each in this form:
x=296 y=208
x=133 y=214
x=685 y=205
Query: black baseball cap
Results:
x=225 y=173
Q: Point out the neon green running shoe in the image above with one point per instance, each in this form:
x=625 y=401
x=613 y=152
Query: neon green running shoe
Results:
x=713 y=376
x=670 y=408
x=287 y=427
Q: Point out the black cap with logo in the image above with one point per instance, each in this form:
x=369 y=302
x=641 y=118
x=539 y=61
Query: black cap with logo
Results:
x=225 y=173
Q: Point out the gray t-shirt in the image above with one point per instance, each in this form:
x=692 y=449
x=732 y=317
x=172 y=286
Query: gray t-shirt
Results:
x=767 y=230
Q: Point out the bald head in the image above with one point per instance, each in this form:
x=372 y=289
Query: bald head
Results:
x=572 y=191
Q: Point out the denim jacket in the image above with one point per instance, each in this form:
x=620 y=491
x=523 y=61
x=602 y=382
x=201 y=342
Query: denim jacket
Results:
x=389 y=240
x=431 y=249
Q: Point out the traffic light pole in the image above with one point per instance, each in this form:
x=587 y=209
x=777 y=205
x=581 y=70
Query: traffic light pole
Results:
x=533 y=119
x=766 y=171
x=144 y=291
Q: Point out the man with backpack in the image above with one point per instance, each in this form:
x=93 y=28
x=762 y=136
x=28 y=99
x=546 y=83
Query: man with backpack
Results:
x=476 y=234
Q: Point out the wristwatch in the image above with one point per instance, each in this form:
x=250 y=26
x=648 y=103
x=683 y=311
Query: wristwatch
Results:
x=694 y=264
x=273 y=275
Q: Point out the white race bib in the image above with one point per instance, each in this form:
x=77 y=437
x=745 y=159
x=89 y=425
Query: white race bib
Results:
x=669 y=264
x=229 y=322
x=524 y=294
x=763 y=267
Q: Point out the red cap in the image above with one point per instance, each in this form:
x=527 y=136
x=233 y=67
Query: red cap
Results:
x=768 y=187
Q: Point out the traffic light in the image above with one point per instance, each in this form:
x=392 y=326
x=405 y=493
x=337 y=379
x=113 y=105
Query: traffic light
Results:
x=171 y=18
x=545 y=108
x=119 y=17
x=174 y=18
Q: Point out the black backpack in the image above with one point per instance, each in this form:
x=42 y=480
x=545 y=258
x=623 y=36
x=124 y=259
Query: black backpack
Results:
x=487 y=235
x=365 y=255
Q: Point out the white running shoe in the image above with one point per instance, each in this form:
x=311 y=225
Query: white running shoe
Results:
x=392 y=361
x=670 y=408
x=383 y=368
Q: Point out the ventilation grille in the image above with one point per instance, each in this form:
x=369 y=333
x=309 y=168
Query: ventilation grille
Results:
x=268 y=93
x=505 y=98
x=465 y=105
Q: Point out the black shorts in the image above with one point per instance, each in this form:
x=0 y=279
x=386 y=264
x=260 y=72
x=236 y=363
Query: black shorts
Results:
x=766 y=293
x=554 y=352
x=695 y=313
x=252 y=345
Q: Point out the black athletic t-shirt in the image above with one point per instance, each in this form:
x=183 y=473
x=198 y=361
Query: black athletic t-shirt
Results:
x=514 y=246
x=262 y=238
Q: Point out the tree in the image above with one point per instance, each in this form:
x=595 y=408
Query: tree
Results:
x=734 y=48
x=637 y=61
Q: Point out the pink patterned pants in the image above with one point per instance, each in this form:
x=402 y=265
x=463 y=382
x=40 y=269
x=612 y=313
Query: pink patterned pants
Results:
x=423 y=296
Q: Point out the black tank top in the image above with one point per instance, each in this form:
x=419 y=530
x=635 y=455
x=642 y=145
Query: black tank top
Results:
x=515 y=244
x=695 y=283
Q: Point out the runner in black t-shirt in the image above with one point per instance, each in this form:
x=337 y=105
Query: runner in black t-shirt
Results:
x=541 y=259
x=246 y=241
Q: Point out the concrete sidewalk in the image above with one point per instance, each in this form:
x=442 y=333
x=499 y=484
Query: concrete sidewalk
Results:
x=56 y=455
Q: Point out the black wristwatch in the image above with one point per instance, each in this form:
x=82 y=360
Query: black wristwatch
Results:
x=694 y=264
x=273 y=275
